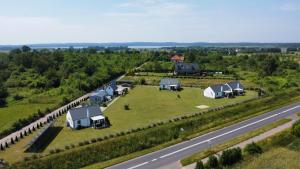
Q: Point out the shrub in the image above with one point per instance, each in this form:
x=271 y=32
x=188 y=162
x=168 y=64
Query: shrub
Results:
x=253 y=148
x=18 y=97
x=67 y=147
x=231 y=156
x=86 y=142
x=126 y=107
x=212 y=162
x=199 y=165
x=93 y=140
x=296 y=129
x=72 y=146
x=57 y=150
x=12 y=141
x=1 y=147
x=51 y=151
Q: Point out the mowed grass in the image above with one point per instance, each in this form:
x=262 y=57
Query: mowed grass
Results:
x=147 y=105
x=32 y=102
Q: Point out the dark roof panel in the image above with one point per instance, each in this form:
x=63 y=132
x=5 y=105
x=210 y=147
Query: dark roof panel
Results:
x=81 y=112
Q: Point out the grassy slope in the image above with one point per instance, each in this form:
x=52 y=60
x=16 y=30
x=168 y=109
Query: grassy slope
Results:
x=148 y=105
x=33 y=100
x=275 y=157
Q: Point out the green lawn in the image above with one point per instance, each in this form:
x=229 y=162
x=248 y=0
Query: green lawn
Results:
x=147 y=105
x=33 y=100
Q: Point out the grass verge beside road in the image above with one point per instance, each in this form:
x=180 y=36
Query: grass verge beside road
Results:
x=203 y=154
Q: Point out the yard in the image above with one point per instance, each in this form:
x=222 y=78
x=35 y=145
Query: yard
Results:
x=147 y=105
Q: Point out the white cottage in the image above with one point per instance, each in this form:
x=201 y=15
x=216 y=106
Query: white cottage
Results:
x=224 y=90
x=87 y=116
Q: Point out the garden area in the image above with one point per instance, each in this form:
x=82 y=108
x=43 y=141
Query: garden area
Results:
x=144 y=105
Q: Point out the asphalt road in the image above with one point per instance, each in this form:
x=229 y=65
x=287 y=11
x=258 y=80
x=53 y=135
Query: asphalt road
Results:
x=179 y=151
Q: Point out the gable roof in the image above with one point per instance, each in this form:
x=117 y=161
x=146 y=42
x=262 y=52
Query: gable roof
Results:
x=113 y=84
x=177 y=58
x=81 y=112
x=220 y=88
x=99 y=93
x=235 y=85
x=169 y=81
x=186 y=67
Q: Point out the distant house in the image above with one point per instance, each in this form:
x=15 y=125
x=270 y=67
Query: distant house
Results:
x=177 y=58
x=98 y=96
x=186 y=68
x=224 y=90
x=169 y=84
x=111 y=88
x=87 y=116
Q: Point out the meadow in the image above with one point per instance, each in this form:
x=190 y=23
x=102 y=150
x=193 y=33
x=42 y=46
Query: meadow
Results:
x=32 y=100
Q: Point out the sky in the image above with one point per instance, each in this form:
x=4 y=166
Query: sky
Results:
x=97 y=21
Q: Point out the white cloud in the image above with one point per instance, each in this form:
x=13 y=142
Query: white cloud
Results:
x=290 y=7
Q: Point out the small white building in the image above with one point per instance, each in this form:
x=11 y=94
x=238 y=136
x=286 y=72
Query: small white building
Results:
x=87 y=116
x=224 y=90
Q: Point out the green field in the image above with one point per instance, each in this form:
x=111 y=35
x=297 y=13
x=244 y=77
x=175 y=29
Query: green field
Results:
x=147 y=105
x=33 y=101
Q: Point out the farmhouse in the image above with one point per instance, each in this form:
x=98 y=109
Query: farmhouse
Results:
x=177 y=58
x=169 y=84
x=186 y=68
x=87 y=116
x=224 y=90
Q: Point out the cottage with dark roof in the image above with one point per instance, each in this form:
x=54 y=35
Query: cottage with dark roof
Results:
x=87 y=116
x=224 y=90
x=98 y=96
x=169 y=84
x=237 y=87
x=186 y=68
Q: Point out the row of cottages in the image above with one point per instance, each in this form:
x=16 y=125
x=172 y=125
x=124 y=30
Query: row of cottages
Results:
x=186 y=68
x=224 y=90
x=169 y=84
x=86 y=116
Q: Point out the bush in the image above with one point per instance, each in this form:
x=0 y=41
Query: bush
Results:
x=253 y=148
x=231 y=156
x=296 y=129
x=18 y=97
x=212 y=162
x=126 y=107
x=67 y=147
x=199 y=165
